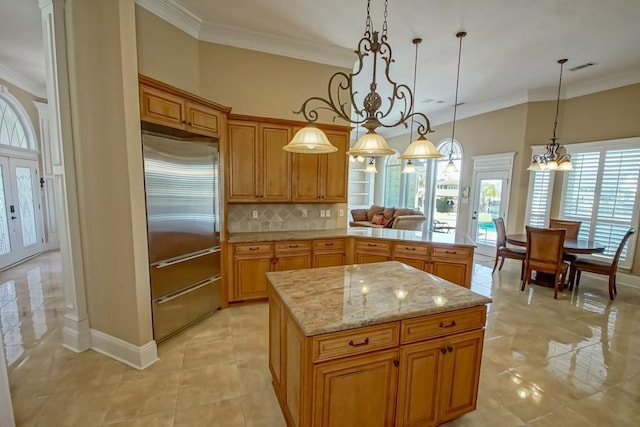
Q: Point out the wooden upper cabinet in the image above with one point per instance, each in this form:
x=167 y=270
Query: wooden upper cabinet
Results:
x=161 y=108
x=169 y=106
x=202 y=120
x=276 y=163
x=322 y=177
x=259 y=168
x=243 y=156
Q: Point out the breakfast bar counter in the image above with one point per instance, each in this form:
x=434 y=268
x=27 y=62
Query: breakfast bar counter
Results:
x=380 y=344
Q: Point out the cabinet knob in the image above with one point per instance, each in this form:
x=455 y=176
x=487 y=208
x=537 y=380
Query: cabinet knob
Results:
x=450 y=349
x=396 y=363
x=443 y=350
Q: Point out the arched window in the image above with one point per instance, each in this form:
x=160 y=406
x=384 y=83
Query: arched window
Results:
x=12 y=130
x=403 y=189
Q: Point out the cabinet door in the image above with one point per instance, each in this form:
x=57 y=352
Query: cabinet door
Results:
x=275 y=166
x=334 y=172
x=356 y=391
x=202 y=120
x=460 y=374
x=161 y=108
x=249 y=277
x=293 y=262
x=328 y=259
x=417 y=263
x=419 y=385
x=243 y=155
x=305 y=180
x=453 y=272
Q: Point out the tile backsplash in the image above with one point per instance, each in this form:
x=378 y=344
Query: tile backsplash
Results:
x=276 y=217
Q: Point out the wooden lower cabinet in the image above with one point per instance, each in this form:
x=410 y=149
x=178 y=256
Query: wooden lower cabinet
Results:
x=451 y=271
x=368 y=382
x=367 y=251
x=248 y=277
x=329 y=252
x=346 y=379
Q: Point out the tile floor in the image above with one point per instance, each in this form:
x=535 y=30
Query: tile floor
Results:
x=574 y=361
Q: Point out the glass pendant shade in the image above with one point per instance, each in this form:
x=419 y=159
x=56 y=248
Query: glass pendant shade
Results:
x=371 y=167
x=451 y=167
x=534 y=166
x=310 y=140
x=371 y=145
x=565 y=166
x=421 y=148
x=409 y=168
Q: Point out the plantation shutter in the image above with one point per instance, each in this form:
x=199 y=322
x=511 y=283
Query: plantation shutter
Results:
x=540 y=187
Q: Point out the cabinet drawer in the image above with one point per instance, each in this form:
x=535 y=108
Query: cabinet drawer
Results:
x=296 y=246
x=451 y=253
x=373 y=246
x=422 y=328
x=253 y=249
x=328 y=245
x=362 y=340
x=410 y=250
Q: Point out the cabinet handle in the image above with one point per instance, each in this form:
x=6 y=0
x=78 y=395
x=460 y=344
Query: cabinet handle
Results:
x=372 y=245
x=353 y=344
x=450 y=349
x=293 y=246
x=396 y=363
x=450 y=252
x=443 y=350
x=328 y=244
x=254 y=248
x=450 y=325
x=410 y=249
x=274 y=260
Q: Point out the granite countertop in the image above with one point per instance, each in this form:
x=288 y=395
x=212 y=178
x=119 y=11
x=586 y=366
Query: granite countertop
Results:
x=323 y=300
x=365 y=232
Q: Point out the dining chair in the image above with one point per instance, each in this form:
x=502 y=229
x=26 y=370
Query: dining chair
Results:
x=502 y=251
x=572 y=227
x=605 y=267
x=544 y=255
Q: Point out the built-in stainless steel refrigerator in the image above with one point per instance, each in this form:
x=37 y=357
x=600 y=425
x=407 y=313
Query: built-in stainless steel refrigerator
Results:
x=181 y=184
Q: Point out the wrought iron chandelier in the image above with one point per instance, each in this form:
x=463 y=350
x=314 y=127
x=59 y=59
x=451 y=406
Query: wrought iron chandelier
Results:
x=556 y=157
x=372 y=113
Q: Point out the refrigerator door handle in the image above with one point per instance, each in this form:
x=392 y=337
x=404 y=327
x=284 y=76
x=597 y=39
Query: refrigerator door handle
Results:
x=175 y=261
x=192 y=288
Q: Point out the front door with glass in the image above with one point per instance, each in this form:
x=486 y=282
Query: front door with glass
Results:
x=20 y=228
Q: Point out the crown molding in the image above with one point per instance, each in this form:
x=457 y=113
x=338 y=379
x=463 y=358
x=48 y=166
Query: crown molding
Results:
x=22 y=82
x=276 y=45
x=175 y=14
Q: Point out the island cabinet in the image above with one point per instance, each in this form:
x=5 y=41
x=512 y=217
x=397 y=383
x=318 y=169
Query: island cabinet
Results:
x=168 y=106
x=418 y=371
x=259 y=169
x=453 y=263
x=368 y=250
x=322 y=177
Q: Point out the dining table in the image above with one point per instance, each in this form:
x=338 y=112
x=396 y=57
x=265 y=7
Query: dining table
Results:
x=570 y=246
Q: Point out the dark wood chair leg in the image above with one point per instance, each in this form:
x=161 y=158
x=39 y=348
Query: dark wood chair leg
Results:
x=572 y=277
x=522 y=270
x=557 y=279
x=611 y=285
x=578 y=278
x=525 y=280
x=495 y=264
x=615 y=288
x=501 y=264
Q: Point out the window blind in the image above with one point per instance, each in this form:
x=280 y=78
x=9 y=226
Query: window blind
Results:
x=539 y=199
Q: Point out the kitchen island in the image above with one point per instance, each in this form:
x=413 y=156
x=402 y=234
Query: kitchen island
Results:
x=380 y=344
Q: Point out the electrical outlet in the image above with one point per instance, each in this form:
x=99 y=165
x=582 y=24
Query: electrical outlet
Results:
x=255 y=214
x=304 y=213
x=341 y=212
x=322 y=214
x=328 y=214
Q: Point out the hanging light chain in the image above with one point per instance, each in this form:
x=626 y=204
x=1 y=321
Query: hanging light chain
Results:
x=367 y=25
x=384 y=24
x=460 y=35
x=416 y=42
x=555 y=122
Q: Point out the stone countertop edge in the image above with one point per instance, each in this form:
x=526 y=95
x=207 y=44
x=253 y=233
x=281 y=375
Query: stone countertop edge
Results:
x=361 y=232
x=325 y=300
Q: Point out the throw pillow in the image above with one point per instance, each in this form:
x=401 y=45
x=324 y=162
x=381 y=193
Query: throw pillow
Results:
x=389 y=223
x=388 y=212
x=373 y=210
x=359 y=215
x=377 y=219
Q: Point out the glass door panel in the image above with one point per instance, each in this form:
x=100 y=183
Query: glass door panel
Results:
x=5 y=238
x=24 y=184
x=489 y=203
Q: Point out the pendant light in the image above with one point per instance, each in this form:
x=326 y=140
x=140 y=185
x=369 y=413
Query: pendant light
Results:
x=371 y=166
x=451 y=166
x=551 y=159
x=421 y=148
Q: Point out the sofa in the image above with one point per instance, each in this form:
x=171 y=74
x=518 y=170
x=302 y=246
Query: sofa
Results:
x=385 y=217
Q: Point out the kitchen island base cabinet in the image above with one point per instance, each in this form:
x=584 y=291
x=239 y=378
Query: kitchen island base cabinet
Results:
x=401 y=373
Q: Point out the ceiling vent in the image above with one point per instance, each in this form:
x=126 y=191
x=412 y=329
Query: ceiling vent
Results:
x=580 y=67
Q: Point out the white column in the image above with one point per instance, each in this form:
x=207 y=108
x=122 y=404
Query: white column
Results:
x=76 y=333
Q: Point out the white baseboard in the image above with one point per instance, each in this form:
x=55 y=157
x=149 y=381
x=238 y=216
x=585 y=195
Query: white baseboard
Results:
x=129 y=354
x=621 y=279
x=76 y=335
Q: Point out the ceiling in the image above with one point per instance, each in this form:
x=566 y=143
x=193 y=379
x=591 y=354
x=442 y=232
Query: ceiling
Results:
x=508 y=57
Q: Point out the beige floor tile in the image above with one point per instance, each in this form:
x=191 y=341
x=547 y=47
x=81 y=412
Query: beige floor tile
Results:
x=225 y=413
x=571 y=361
